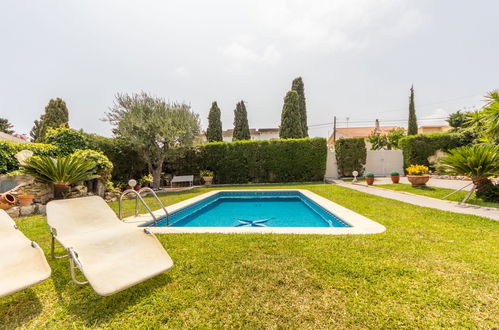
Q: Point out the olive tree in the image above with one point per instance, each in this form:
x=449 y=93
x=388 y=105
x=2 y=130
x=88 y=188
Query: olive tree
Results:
x=153 y=126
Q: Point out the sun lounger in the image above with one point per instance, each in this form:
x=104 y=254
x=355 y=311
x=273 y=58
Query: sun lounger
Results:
x=22 y=262
x=112 y=255
x=182 y=178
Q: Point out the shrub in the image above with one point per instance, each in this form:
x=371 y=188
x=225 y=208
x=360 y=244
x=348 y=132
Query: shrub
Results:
x=102 y=166
x=369 y=175
x=417 y=170
x=62 y=170
x=66 y=139
x=350 y=155
x=291 y=160
x=394 y=174
x=127 y=162
x=417 y=148
x=9 y=163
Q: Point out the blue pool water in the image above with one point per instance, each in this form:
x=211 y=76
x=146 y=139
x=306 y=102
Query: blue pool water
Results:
x=253 y=209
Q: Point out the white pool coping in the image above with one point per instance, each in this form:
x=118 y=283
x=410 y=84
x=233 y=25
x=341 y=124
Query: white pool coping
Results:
x=360 y=225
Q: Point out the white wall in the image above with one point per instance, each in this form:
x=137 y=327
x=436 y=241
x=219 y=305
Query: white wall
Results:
x=378 y=162
x=383 y=162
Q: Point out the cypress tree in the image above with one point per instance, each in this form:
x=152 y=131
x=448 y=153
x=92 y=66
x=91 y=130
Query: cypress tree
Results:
x=413 y=123
x=299 y=87
x=241 y=127
x=291 y=125
x=214 y=131
x=56 y=115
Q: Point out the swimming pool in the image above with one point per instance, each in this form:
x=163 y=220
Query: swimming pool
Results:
x=266 y=211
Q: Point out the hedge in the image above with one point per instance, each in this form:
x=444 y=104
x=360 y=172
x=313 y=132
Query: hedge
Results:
x=351 y=155
x=9 y=163
x=66 y=139
x=417 y=148
x=292 y=160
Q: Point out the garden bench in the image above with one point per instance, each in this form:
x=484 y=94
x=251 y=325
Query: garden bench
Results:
x=182 y=178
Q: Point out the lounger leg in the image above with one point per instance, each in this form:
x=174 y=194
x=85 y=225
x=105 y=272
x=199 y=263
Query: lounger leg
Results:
x=53 y=246
x=73 y=265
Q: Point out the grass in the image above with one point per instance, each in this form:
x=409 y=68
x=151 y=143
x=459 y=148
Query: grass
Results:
x=429 y=269
x=438 y=193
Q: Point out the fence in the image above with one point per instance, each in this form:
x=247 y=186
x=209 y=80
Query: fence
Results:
x=378 y=162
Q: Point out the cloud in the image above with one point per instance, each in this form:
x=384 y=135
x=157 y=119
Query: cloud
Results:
x=436 y=117
x=182 y=72
x=240 y=55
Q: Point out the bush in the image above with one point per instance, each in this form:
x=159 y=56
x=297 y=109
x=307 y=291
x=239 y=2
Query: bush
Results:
x=127 y=162
x=417 y=148
x=291 y=160
x=66 y=139
x=9 y=163
x=102 y=166
x=351 y=156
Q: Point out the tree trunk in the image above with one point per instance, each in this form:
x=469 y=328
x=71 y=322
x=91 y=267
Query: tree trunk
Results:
x=482 y=185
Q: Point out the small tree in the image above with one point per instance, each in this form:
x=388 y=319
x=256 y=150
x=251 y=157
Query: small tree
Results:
x=6 y=126
x=153 y=127
x=66 y=139
x=241 y=127
x=291 y=125
x=299 y=87
x=394 y=137
x=35 y=131
x=413 y=123
x=378 y=141
x=214 y=131
x=457 y=119
x=56 y=115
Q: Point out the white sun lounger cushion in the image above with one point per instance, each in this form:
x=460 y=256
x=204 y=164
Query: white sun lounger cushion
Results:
x=113 y=256
x=22 y=262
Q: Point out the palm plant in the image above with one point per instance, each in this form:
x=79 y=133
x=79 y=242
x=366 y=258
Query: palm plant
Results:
x=491 y=112
x=479 y=162
x=61 y=171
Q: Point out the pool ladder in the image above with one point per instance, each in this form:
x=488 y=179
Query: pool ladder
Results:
x=137 y=198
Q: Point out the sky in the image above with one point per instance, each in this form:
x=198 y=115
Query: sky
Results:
x=358 y=58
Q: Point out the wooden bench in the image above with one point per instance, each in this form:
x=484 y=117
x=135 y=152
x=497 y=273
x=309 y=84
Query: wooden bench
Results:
x=182 y=178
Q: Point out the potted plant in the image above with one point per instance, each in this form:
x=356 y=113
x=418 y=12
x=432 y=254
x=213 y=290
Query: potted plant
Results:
x=395 y=176
x=24 y=198
x=207 y=176
x=417 y=175
x=146 y=180
x=369 y=178
x=61 y=171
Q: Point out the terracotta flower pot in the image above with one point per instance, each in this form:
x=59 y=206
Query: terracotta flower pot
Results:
x=418 y=180
x=7 y=201
x=60 y=190
x=208 y=180
x=395 y=178
x=137 y=187
x=369 y=181
x=25 y=200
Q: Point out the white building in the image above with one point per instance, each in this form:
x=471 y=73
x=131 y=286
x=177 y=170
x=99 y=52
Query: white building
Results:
x=260 y=134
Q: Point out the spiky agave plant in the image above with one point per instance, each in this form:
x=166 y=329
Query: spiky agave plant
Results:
x=479 y=162
x=61 y=170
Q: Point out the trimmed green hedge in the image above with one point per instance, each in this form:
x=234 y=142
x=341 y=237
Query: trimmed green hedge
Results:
x=292 y=160
x=68 y=140
x=9 y=163
x=351 y=155
x=417 y=148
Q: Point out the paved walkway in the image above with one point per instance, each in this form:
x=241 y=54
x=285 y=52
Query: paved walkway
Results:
x=438 y=183
x=433 y=203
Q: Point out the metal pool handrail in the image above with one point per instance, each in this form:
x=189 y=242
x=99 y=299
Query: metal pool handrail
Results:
x=157 y=199
x=137 y=197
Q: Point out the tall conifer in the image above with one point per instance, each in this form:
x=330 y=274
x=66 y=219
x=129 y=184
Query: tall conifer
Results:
x=241 y=127
x=214 y=131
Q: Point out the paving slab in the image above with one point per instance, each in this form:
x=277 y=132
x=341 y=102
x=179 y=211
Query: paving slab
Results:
x=486 y=212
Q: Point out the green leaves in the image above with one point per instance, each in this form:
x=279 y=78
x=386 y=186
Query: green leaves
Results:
x=351 y=155
x=241 y=126
x=291 y=124
x=214 y=131
x=61 y=170
x=478 y=161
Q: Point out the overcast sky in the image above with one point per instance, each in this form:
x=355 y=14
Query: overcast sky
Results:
x=358 y=58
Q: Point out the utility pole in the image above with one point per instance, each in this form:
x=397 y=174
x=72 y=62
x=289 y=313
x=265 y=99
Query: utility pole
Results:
x=334 y=130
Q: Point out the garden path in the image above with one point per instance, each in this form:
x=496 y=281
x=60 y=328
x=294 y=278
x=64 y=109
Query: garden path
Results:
x=487 y=212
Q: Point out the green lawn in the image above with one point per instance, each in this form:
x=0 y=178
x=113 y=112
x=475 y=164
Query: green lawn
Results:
x=429 y=269
x=438 y=193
